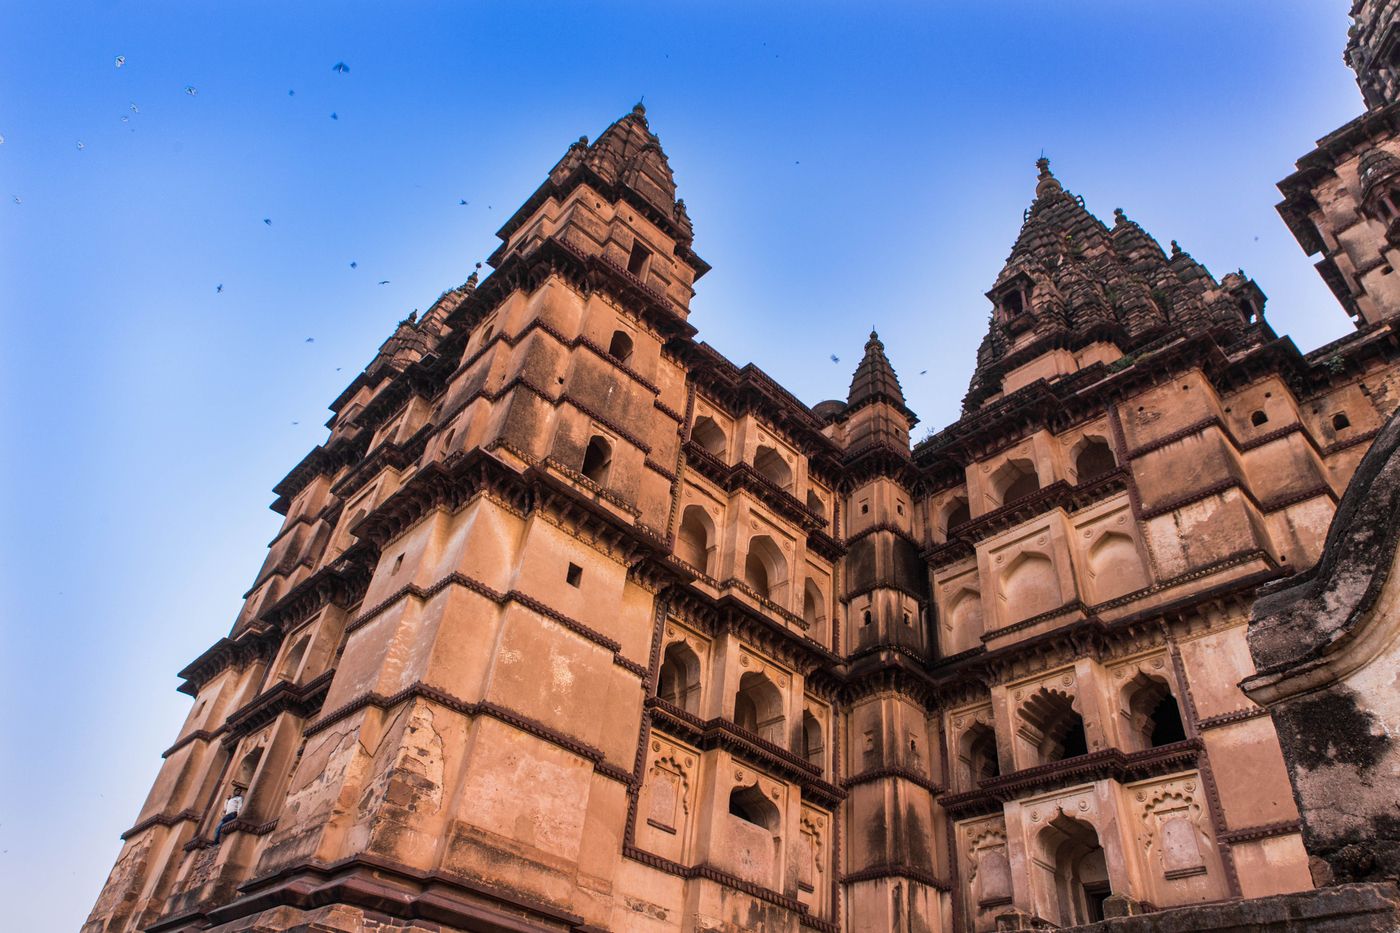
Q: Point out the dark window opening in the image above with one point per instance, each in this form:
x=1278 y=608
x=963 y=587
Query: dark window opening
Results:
x=1258 y=418
x=1340 y=421
x=597 y=458
x=865 y=508
x=574 y=575
x=960 y=515
x=621 y=347
x=398 y=562
x=637 y=262
x=865 y=617
x=1013 y=303
x=1094 y=897
x=1166 y=723
x=1094 y=460
x=750 y=805
x=1024 y=485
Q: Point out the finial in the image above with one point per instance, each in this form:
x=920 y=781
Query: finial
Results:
x=1176 y=248
x=1118 y=216
x=639 y=108
x=1047 y=180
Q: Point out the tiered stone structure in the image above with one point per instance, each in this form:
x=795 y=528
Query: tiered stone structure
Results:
x=573 y=624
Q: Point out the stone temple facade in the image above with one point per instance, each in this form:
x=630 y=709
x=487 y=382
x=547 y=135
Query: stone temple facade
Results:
x=573 y=624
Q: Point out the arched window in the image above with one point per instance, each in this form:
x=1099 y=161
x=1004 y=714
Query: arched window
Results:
x=292 y=662
x=813 y=745
x=815 y=505
x=679 y=680
x=1258 y=418
x=978 y=751
x=693 y=538
x=620 y=348
x=1340 y=421
x=771 y=466
x=1016 y=479
x=709 y=436
x=245 y=772
x=813 y=608
x=1095 y=459
x=597 y=459
x=958 y=514
x=1075 y=871
x=758 y=708
x=751 y=805
x=1052 y=727
x=1154 y=718
x=765 y=569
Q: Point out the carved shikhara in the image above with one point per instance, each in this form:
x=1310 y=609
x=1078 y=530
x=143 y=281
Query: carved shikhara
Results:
x=573 y=623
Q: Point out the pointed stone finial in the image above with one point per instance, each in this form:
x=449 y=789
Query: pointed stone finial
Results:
x=639 y=108
x=1118 y=216
x=1176 y=249
x=1047 y=182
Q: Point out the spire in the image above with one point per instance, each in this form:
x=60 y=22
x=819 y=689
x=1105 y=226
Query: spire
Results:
x=874 y=378
x=1047 y=183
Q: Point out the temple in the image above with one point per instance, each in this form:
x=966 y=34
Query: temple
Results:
x=575 y=625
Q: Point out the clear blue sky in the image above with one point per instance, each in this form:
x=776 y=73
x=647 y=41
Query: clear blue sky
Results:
x=845 y=165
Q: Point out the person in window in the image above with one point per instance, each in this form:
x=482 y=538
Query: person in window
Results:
x=232 y=807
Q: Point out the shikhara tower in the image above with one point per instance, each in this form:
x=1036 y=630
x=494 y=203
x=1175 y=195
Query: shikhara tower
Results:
x=575 y=625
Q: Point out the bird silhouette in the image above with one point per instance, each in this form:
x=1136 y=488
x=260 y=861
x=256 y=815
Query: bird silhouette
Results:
x=268 y=221
x=310 y=339
x=191 y=90
x=291 y=93
x=219 y=289
x=835 y=358
x=383 y=281
x=354 y=265
x=335 y=116
x=341 y=68
x=923 y=372
x=120 y=60
x=464 y=203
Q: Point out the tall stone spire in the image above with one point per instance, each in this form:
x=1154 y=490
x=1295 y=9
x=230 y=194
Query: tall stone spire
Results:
x=1071 y=283
x=874 y=379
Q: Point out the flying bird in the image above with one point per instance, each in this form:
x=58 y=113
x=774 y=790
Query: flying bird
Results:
x=17 y=200
x=464 y=203
x=340 y=68
x=268 y=221
x=383 y=281
x=291 y=93
x=354 y=265
x=80 y=144
x=923 y=372
x=835 y=358
x=310 y=339
x=219 y=289
x=191 y=90
x=134 y=108
x=120 y=60
x=335 y=116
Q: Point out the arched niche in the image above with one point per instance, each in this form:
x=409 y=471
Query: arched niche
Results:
x=758 y=708
x=1030 y=586
x=813 y=740
x=814 y=609
x=695 y=539
x=1073 y=872
x=978 y=755
x=765 y=569
x=1015 y=479
x=1093 y=459
x=1115 y=567
x=597 y=459
x=678 y=683
x=771 y=466
x=709 y=435
x=1051 y=727
x=1153 y=716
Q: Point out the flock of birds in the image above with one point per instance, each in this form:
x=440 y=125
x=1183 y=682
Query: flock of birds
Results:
x=339 y=68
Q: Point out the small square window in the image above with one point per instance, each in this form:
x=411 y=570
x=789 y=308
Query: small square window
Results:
x=574 y=576
x=865 y=508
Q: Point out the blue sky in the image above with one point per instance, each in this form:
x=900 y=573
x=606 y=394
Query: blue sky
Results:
x=845 y=165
